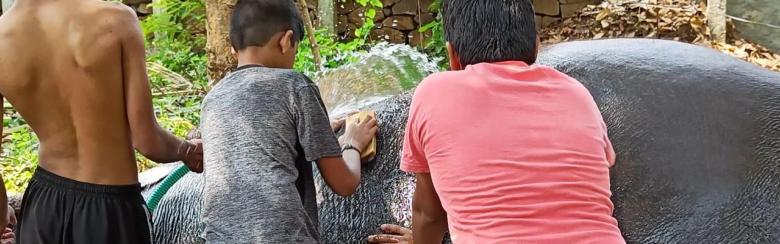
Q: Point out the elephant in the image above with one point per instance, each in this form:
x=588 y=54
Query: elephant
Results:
x=697 y=134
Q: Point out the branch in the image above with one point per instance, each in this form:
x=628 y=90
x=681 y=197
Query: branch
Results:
x=315 y=48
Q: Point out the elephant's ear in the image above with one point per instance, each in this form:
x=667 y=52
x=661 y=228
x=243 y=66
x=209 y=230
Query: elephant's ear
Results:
x=155 y=175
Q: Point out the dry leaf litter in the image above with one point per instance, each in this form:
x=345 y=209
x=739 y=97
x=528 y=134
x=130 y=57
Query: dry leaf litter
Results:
x=679 y=20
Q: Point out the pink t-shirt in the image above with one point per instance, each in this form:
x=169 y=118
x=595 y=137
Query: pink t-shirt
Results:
x=517 y=154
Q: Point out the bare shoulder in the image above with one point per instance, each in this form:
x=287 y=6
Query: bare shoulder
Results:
x=116 y=9
x=118 y=17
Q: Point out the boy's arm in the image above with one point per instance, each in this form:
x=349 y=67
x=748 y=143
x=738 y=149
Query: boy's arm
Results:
x=148 y=137
x=343 y=174
x=341 y=171
x=429 y=220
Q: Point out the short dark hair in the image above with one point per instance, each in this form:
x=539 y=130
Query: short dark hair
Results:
x=491 y=30
x=254 y=22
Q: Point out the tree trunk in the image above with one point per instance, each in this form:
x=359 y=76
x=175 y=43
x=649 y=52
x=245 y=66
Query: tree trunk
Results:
x=716 y=19
x=220 y=55
x=327 y=15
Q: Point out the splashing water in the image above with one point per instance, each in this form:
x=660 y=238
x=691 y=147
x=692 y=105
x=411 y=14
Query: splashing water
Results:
x=386 y=70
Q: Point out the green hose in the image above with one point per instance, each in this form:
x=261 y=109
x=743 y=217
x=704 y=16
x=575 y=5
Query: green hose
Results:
x=166 y=185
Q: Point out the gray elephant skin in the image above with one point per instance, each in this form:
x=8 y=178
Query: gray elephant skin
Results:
x=697 y=133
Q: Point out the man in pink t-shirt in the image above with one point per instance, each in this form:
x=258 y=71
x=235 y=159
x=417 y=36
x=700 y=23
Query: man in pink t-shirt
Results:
x=505 y=152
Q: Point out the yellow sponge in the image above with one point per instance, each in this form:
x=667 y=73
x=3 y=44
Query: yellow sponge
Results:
x=370 y=151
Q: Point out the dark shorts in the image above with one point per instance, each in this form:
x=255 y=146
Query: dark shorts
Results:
x=60 y=210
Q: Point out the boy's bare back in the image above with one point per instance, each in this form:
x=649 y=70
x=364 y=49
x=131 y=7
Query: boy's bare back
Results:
x=74 y=70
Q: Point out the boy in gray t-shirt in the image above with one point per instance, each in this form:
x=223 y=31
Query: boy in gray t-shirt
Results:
x=262 y=125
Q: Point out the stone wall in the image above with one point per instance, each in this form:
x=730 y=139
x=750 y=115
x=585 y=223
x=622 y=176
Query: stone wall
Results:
x=141 y=6
x=399 y=20
x=548 y=11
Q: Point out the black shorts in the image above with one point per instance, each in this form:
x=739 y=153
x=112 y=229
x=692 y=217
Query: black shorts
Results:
x=56 y=209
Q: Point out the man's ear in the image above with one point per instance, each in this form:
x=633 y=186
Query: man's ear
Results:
x=454 y=58
x=286 y=43
x=538 y=44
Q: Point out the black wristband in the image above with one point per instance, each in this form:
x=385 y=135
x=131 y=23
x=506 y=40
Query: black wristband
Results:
x=350 y=146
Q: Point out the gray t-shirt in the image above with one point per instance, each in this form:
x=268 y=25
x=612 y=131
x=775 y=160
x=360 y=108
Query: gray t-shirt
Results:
x=261 y=129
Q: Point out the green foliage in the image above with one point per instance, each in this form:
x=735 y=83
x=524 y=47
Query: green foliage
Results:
x=177 y=38
x=436 y=46
x=20 y=158
x=333 y=52
x=176 y=35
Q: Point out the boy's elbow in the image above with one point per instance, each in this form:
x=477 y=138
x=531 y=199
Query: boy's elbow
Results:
x=150 y=149
x=345 y=192
x=347 y=188
x=428 y=217
x=144 y=148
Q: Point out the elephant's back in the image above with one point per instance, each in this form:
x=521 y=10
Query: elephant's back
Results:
x=697 y=134
x=385 y=192
x=176 y=220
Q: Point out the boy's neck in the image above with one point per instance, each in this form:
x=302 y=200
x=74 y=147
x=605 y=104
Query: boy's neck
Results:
x=249 y=63
x=257 y=56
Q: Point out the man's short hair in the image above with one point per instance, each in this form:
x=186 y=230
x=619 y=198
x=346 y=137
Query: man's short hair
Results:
x=254 y=22
x=491 y=30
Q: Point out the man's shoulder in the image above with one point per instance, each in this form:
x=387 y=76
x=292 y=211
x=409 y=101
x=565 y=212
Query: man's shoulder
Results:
x=556 y=76
x=438 y=81
x=550 y=72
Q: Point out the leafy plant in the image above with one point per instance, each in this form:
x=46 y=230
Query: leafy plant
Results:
x=333 y=52
x=177 y=37
x=177 y=63
x=19 y=158
x=436 y=46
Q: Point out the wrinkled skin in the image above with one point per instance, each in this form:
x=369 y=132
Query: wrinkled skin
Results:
x=176 y=218
x=698 y=138
x=697 y=135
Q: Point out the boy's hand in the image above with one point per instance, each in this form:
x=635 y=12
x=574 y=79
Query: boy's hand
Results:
x=192 y=154
x=338 y=123
x=360 y=133
x=11 y=218
x=8 y=236
x=393 y=234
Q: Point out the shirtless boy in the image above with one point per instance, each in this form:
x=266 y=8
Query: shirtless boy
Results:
x=75 y=71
